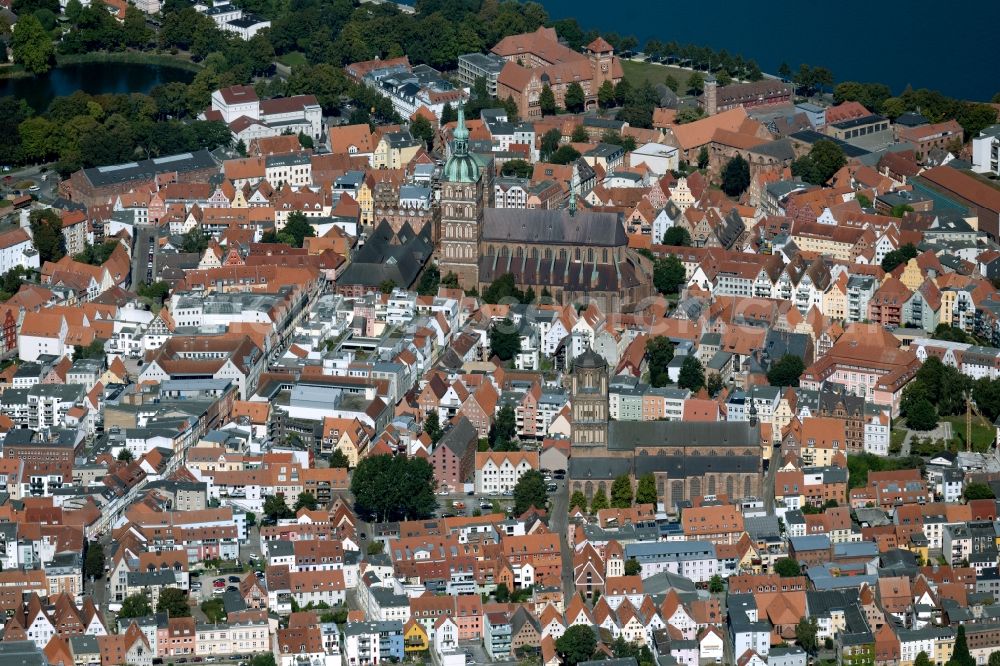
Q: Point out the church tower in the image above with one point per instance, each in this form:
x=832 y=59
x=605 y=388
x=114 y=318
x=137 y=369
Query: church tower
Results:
x=462 y=203
x=589 y=396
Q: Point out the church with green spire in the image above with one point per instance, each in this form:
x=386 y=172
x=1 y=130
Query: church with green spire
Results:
x=464 y=195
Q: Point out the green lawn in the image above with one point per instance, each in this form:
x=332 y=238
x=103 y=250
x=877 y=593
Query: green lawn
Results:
x=638 y=73
x=983 y=435
x=293 y=59
x=896 y=437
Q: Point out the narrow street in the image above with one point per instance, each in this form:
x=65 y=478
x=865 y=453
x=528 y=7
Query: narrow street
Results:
x=559 y=521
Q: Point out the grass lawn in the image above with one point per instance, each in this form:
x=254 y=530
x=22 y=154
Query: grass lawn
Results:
x=896 y=437
x=638 y=73
x=293 y=59
x=983 y=435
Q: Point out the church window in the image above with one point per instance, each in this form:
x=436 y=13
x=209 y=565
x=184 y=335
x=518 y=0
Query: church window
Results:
x=711 y=485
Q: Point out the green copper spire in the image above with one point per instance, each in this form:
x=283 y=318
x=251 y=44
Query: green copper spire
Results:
x=461 y=166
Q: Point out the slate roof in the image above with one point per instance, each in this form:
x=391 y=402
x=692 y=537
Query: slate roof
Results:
x=554 y=227
x=389 y=256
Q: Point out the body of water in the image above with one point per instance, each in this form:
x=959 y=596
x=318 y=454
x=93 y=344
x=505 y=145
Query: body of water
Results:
x=898 y=44
x=96 y=78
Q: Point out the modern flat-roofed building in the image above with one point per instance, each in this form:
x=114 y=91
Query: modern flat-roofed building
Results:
x=473 y=66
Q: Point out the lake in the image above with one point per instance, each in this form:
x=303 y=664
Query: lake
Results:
x=96 y=78
x=898 y=44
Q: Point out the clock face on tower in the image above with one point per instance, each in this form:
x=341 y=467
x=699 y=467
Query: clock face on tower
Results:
x=604 y=67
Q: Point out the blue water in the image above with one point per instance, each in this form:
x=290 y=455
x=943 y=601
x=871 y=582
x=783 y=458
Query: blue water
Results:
x=923 y=43
x=94 y=78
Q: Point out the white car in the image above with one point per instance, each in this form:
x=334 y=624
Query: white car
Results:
x=34 y=188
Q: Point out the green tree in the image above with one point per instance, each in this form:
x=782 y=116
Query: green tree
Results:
x=579 y=135
x=213 y=610
x=125 y=456
x=275 y=507
x=786 y=371
x=564 y=155
x=547 y=101
x=577 y=644
x=975 y=491
x=298 y=229
x=714 y=384
x=306 y=500
x=696 y=83
x=31 y=45
x=394 y=487
x=736 y=176
x=579 y=500
x=668 y=275
x=784 y=71
x=703 y=158
x=96 y=255
x=715 y=584
x=529 y=491
x=900 y=209
x=174 y=602
x=645 y=492
x=825 y=158
x=575 y=98
x=194 y=241
x=677 y=236
x=93 y=565
x=421 y=129
x=429 y=281
x=550 y=143
x=606 y=95
x=599 y=501
x=503 y=290
x=46 y=232
x=93 y=350
x=375 y=548
x=338 y=460
x=156 y=292
x=517 y=168
x=502 y=593
x=632 y=567
x=786 y=567
x=267 y=658
x=659 y=354
x=922 y=659
x=994 y=656
x=621 y=492
x=898 y=256
x=922 y=415
x=805 y=634
x=503 y=432
x=505 y=340
x=432 y=426
x=960 y=655
x=692 y=375
x=689 y=115
x=136 y=605
x=386 y=286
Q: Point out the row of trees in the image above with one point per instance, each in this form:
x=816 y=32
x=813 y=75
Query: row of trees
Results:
x=935 y=106
x=621 y=495
x=83 y=130
x=394 y=488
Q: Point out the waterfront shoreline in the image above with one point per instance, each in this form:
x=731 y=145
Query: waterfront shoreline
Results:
x=14 y=71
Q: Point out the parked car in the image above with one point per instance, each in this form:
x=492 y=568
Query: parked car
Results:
x=234 y=579
x=195 y=586
x=551 y=487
